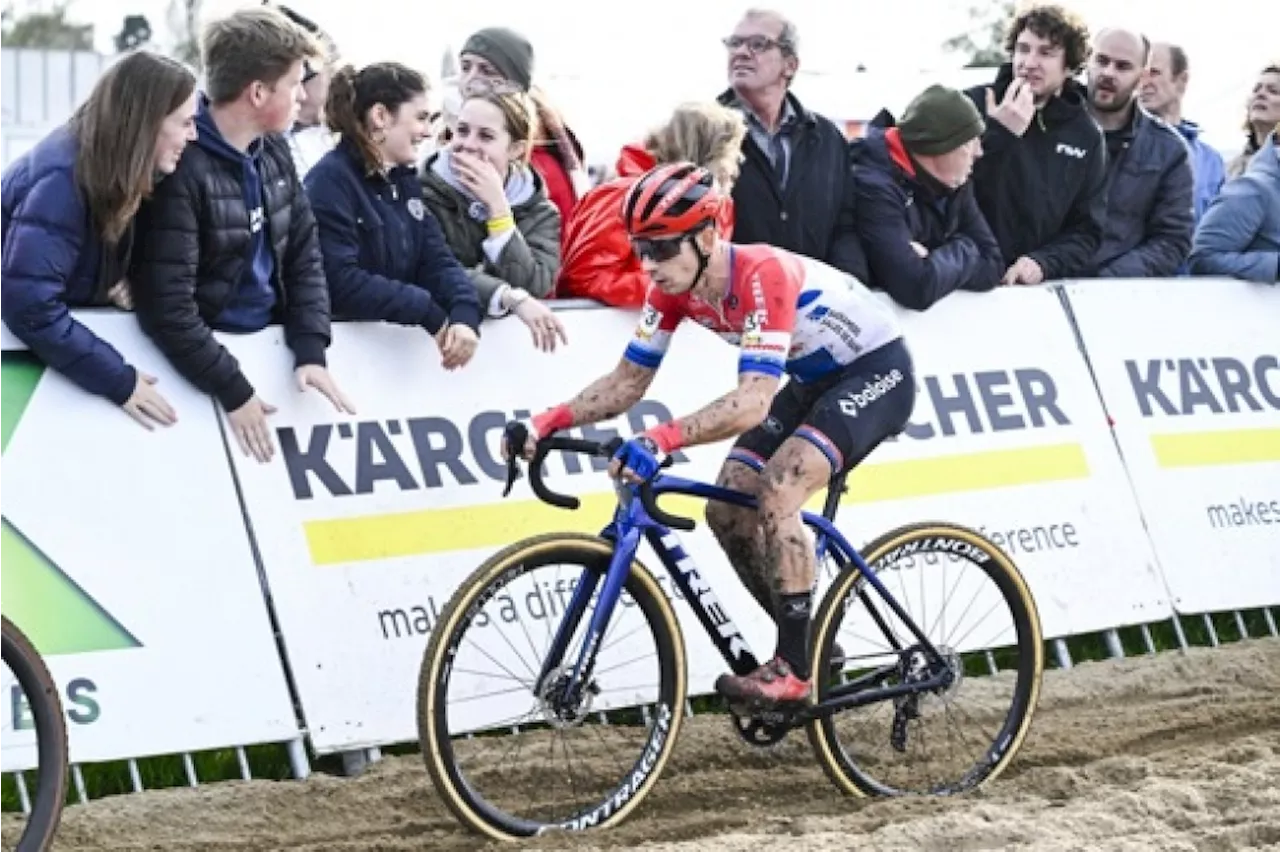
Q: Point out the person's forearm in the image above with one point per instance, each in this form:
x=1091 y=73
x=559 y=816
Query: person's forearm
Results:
x=606 y=397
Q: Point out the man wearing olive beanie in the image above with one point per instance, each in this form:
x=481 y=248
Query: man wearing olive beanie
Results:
x=920 y=225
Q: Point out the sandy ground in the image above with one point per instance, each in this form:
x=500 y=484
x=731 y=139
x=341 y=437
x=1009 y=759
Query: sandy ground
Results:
x=1176 y=752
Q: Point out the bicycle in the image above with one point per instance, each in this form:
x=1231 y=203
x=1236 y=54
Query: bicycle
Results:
x=612 y=587
x=52 y=757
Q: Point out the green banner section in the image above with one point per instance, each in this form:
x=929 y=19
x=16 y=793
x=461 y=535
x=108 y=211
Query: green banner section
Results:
x=57 y=615
x=17 y=385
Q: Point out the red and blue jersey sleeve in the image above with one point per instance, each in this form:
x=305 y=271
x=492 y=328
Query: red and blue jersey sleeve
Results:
x=769 y=313
x=659 y=318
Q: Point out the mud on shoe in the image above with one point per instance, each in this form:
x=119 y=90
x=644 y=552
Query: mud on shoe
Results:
x=770 y=685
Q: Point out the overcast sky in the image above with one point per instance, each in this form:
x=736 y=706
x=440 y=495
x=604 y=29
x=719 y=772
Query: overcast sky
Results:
x=616 y=52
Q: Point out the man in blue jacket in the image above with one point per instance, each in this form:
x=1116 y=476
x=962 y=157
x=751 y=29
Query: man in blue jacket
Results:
x=1162 y=92
x=920 y=225
x=229 y=241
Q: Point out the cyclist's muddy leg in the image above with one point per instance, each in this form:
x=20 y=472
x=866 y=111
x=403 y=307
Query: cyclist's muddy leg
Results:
x=794 y=474
x=738 y=531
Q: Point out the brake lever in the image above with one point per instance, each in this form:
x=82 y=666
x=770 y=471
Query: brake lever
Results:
x=516 y=435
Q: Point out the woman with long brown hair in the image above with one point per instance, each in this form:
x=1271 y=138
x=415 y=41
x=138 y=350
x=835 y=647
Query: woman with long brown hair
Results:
x=69 y=205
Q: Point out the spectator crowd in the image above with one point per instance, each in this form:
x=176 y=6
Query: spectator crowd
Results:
x=288 y=187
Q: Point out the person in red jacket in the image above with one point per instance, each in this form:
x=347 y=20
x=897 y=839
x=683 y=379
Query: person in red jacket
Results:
x=596 y=257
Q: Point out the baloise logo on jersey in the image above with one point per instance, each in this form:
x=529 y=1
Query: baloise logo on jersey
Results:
x=875 y=388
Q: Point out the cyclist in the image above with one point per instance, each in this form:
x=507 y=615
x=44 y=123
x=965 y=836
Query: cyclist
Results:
x=850 y=386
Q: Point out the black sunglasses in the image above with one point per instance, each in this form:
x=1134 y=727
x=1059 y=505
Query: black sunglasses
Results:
x=659 y=251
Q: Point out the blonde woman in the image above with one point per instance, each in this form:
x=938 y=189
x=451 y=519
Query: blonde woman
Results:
x=598 y=262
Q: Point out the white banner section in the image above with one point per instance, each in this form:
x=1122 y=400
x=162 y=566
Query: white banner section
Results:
x=1009 y=437
x=1190 y=373
x=127 y=563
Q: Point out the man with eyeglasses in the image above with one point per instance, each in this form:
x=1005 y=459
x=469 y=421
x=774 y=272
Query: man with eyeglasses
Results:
x=795 y=189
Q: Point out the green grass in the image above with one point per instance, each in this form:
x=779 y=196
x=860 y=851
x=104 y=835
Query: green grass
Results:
x=272 y=761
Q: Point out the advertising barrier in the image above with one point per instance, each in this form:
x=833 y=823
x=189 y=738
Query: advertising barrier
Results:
x=1190 y=372
x=128 y=561
x=127 y=564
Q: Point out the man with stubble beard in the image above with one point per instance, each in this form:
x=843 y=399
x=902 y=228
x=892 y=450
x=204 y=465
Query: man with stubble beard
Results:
x=1149 y=185
x=1041 y=182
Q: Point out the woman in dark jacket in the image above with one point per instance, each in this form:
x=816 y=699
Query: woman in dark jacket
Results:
x=493 y=207
x=69 y=205
x=384 y=255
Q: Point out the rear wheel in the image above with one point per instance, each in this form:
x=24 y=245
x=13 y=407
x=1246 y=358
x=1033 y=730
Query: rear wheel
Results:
x=51 y=739
x=513 y=758
x=992 y=662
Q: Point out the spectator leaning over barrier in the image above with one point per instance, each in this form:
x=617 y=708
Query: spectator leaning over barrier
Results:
x=69 y=206
x=795 y=190
x=384 y=253
x=598 y=261
x=501 y=54
x=1240 y=233
x=1041 y=182
x=920 y=225
x=1162 y=92
x=1262 y=112
x=492 y=206
x=229 y=242
x=1150 y=190
x=310 y=138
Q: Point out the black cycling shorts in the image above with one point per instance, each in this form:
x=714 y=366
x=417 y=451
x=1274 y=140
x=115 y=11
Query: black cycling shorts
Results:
x=845 y=415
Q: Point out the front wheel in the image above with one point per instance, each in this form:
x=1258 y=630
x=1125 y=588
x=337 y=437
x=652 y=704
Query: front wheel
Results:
x=513 y=757
x=51 y=738
x=979 y=691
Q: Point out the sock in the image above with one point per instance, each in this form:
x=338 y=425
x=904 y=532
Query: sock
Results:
x=793 y=631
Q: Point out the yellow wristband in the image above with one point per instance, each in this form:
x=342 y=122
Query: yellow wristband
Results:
x=500 y=224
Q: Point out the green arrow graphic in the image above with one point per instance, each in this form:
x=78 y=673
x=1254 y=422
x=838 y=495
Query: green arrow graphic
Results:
x=56 y=614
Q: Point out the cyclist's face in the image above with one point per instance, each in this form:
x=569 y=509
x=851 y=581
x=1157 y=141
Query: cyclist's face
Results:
x=671 y=264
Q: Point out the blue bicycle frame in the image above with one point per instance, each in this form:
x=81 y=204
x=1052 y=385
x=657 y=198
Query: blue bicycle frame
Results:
x=632 y=520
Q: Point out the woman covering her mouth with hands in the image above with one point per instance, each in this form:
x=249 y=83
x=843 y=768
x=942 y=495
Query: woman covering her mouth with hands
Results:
x=494 y=208
x=384 y=254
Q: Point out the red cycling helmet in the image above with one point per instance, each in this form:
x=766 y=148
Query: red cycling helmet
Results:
x=671 y=200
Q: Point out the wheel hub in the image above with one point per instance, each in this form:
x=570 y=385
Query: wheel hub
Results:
x=562 y=706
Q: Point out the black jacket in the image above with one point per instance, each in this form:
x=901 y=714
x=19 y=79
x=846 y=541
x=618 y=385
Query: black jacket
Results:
x=192 y=247
x=1044 y=194
x=1150 y=201
x=898 y=204
x=384 y=253
x=813 y=216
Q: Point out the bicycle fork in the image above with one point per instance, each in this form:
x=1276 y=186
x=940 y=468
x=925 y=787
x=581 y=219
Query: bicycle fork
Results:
x=614 y=579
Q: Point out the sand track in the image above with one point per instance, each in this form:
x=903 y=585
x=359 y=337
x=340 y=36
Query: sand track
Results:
x=1176 y=752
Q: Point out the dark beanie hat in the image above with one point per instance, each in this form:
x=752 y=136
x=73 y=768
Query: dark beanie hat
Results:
x=506 y=50
x=939 y=120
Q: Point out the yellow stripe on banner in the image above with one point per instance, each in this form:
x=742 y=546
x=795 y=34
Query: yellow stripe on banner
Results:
x=1209 y=449
x=342 y=540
